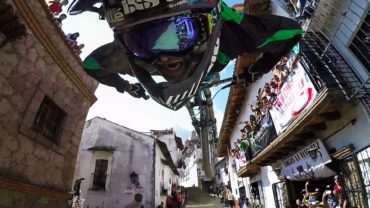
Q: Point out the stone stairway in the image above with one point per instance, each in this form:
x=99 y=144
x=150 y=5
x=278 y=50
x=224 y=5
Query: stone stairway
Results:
x=200 y=199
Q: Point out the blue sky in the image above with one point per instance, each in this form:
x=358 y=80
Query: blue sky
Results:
x=122 y=108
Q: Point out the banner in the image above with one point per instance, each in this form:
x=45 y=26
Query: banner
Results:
x=301 y=166
x=296 y=95
x=264 y=135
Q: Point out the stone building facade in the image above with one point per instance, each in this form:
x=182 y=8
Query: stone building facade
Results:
x=44 y=99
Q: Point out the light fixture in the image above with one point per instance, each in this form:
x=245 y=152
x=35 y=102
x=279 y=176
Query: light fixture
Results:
x=313 y=152
x=134 y=178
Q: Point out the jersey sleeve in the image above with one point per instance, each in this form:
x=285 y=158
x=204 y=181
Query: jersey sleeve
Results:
x=105 y=64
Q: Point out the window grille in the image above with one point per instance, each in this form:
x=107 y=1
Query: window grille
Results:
x=363 y=159
x=280 y=194
x=360 y=45
x=100 y=175
x=329 y=26
x=48 y=120
x=352 y=182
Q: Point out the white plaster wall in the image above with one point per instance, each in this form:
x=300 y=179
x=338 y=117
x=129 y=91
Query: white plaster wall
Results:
x=224 y=178
x=233 y=179
x=245 y=112
x=358 y=134
x=170 y=141
x=169 y=177
x=176 y=156
x=134 y=152
x=348 y=26
x=191 y=179
x=159 y=166
x=268 y=178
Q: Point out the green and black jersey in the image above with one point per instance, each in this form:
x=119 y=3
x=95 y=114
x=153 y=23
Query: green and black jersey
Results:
x=271 y=35
x=242 y=33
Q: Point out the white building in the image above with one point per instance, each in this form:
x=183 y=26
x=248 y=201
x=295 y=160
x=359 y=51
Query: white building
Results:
x=192 y=158
x=174 y=145
x=222 y=173
x=194 y=174
x=111 y=155
x=329 y=133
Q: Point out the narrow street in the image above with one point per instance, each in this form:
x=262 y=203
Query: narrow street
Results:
x=158 y=103
x=199 y=198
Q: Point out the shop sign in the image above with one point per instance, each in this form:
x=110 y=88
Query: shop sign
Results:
x=301 y=166
x=264 y=135
x=296 y=95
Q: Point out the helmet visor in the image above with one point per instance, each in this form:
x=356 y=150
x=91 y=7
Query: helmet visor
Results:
x=173 y=36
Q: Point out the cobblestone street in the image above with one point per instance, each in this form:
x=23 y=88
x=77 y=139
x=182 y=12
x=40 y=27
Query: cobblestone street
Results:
x=199 y=198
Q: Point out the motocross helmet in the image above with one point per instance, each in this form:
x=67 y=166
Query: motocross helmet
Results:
x=176 y=39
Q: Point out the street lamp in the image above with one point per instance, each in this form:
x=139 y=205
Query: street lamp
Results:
x=134 y=178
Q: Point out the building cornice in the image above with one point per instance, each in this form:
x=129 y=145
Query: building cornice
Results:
x=31 y=189
x=50 y=47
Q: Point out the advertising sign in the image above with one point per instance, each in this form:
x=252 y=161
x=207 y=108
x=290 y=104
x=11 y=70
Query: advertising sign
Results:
x=264 y=135
x=296 y=95
x=302 y=166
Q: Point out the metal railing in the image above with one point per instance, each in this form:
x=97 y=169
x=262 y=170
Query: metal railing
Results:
x=324 y=22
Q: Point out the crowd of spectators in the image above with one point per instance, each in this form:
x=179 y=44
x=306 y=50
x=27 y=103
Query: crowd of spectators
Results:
x=331 y=197
x=56 y=8
x=177 y=198
x=227 y=198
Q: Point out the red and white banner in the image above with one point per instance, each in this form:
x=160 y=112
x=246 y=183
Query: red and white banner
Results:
x=296 y=95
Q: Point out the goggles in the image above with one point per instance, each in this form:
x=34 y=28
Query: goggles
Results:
x=174 y=36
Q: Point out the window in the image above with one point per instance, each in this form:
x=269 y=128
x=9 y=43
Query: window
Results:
x=352 y=181
x=363 y=159
x=48 y=120
x=360 y=45
x=280 y=194
x=100 y=175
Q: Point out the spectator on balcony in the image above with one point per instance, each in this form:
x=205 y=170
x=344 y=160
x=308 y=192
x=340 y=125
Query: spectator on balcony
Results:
x=299 y=203
x=56 y=6
x=328 y=198
x=60 y=19
x=311 y=198
x=78 y=48
x=339 y=191
x=72 y=38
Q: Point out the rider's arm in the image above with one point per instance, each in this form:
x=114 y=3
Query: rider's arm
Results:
x=105 y=64
x=272 y=35
x=112 y=80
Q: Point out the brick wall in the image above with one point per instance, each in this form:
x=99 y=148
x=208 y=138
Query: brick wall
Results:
x=28 y=72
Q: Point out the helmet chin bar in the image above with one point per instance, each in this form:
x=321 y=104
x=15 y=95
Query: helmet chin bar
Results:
x=175 y=95
x=188 y=65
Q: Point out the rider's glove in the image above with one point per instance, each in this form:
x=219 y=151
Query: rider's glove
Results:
x=236 y=78
x=136 y=90
x=247 y=76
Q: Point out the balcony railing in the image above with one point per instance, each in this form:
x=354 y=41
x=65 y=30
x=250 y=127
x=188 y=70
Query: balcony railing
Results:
x=325 y=22
x=335 y=78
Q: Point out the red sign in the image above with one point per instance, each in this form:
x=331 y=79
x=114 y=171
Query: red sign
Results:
x=296 y=95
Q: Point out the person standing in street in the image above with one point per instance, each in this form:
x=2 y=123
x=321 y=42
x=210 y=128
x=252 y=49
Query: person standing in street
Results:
x=230 y=197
